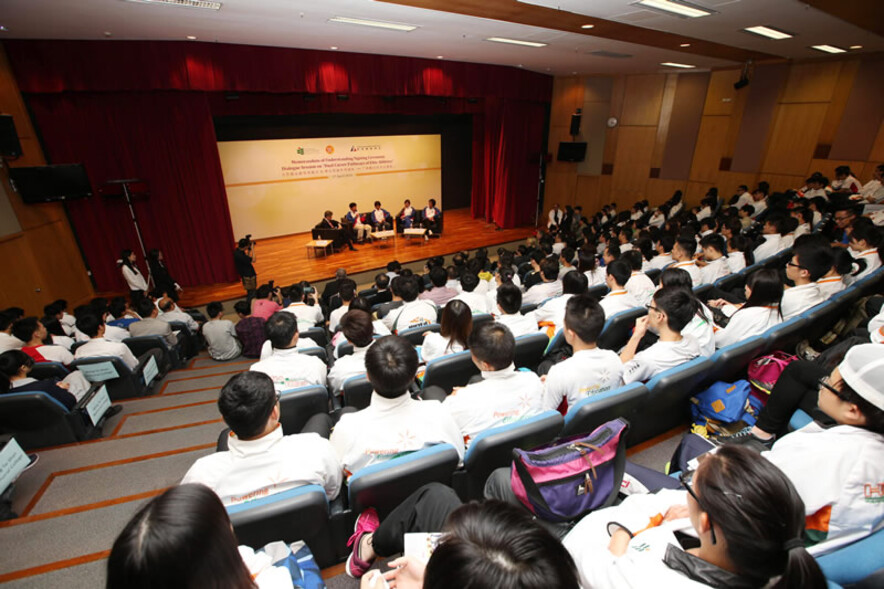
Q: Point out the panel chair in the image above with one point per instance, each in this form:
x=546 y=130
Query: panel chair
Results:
x=778 y=260
x=386 y=484
x=668 y=403
x=595 y=410
x=529 y=350
x=301 y=513
x=126 y=384
x=493 y=448
x=618 y=328
x=453 y=370
x=37 y=420
x=357 y=392
x=729 y=363
x=415 y=335
x=855 y=562
x=44 y=370
x=702 y=291
x=819 y=319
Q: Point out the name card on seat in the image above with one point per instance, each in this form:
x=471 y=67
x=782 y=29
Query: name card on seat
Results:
x=150 y=371
x=98 y=404
x=99 y=371
x=13 y=460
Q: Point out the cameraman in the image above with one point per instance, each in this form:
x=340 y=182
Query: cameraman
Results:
x=243 y=257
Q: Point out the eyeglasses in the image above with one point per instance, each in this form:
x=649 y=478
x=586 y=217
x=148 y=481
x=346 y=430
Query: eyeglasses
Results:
x=794 y=265
x=842 y=218
x=824 y=384
x=684 y=478
x=651 y=308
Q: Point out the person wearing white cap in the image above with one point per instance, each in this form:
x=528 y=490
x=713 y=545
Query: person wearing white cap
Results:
x=835 y=462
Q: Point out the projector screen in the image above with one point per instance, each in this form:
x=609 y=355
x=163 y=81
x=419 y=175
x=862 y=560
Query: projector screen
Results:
x=283 y=186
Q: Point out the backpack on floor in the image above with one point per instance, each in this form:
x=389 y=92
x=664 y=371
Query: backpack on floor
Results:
x=764 y=371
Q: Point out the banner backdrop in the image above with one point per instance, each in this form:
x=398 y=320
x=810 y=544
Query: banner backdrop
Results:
x=283 y=186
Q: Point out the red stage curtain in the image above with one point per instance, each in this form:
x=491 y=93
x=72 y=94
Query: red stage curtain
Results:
x=144 y=109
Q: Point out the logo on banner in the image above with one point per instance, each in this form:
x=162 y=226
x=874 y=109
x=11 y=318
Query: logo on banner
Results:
x=329 y=149
x=300 y=151
x=365 y=148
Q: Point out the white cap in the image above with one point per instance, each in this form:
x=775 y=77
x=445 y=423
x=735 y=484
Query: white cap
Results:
x=863 y=371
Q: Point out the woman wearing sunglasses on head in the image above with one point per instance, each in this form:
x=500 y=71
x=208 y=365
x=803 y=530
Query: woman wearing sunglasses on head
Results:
x=747 y=516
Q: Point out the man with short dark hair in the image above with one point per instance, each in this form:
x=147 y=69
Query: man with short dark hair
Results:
x=550 y=287
x=478 y=303
x=347 y=292
x=683 y=254
x=771 y=232
x=357 y=222
x=715 y=259
x=150 y=324
x=220 y=334
x=380 y=218
x=286 y=366
x=439 y=294
x=7 y=340
x=671 y=310
x=94 y=328
x=260 y=459
x=503 y=395
x=356 y=325
x=552 y=312
x=393 y=423
x=591 y=370
x=30 y=331
x=382 y=284
x=664 y=252
x=305 y=307
x=509 y=302
x=243 y=261
x=413 y=312
x=618 y=299
x=639 y=285
x=810 y=262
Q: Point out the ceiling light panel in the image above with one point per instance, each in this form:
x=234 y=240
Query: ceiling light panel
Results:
x=393 y=26
x=682 y=9
x=684 y=66
x=828 y=49
x=516 y=42
x=182 y=3
x=769 y=32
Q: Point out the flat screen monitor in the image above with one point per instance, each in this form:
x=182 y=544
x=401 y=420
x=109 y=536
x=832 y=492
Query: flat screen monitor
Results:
x=572 y=151
x=51 y=183
x=9 y=143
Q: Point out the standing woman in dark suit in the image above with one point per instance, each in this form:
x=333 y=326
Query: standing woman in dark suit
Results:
x=133 y=277
x=162 y=280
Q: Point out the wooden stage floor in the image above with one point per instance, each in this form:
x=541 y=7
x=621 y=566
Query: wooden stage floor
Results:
x=285 y=259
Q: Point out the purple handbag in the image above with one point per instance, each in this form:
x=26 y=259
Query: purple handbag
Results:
x=566 y=479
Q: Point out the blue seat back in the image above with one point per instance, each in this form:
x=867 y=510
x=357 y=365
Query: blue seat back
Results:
x=38 y=420
x=415 y=335
x=480 y=318
x=527 y=308
x=298 y=405
x=317 y=334
x=799 y=419
x=654 y=275
x=730 y=282
x=357 y=391
x=529 y=350
x=618 y=328
x=453 y=370
x=856 y=561
x=702 y=290
x=385 y=485
x=127 y=385
x=316 y=352
x=729 y=362
x=597 y=291
x=785 y=335
x=595 y=410
x=44 y=370
x=556 y=343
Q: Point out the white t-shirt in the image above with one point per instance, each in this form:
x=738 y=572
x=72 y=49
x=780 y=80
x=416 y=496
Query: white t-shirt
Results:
x=714 y=270
x=56 y=354
x=103 y=347
x=586 y=373
x=617 y=301
x=660 y=261
x=308 y=316
x=641 y=288
x=873 y=262
x=691 y=268
x=289 y=369
x=746 y=323
x=552 y=311
x=874 y=189
x=703 y=331
x=335 y=317
x=519 y=324
x=417 y=313
x=661 y=356
x=251 y=469
x=502 y=397
x=830 y=286
x=772 y=245
x=388 y=428
x=736 y=261
x=346 y=367
x=478 y=303
x=435 y=345
x=542 y=291
x=595 y=277
x=800 y=298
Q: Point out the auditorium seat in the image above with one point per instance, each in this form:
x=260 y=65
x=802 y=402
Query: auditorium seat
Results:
x=316 y=352
x=317 y=334
x=415 y=335
x=668 y=400
x=778 y=260
x=729 y=363
x=344 y=348
x=730 y=282
x=128 y=383
x=480 y=318
x=654 y=275
x=702 y=291
x=44 y=370
x=527 y=308
x=798 y=420
x=386 y=484
x=357 y=391
x=493 y=448
x=556 y=343
x=597 y=291
x=453 y=370
x=298 y=405
x=785 y=335
x=529 y=350
x=143 y=344
x=819 y=319
x=855 y=562
x=618 y=328
x=301 y=513
x=593 y=411
x=37 y=420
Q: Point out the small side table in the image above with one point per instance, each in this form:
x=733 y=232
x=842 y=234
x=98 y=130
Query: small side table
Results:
x=317 y=245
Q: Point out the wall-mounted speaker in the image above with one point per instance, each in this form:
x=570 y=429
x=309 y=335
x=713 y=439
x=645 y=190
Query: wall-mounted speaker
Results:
x=575 y=123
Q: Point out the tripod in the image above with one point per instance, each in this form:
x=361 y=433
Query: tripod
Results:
x=127 y=194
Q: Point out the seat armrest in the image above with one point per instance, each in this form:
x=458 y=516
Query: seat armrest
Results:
x=84 y=400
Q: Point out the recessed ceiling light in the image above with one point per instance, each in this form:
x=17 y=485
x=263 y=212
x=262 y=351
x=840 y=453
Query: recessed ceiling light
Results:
x=769 y=32
x=685 y=45
x=440 y=57
x=828 y=49
x=515 y=42
x=183 y=3
x=108 y=34
x=191 y=38
x=3 y=28
x=682 y=9
x=851 y=47
x=380 y=24
x=683 y=66
x=333 y=48
x=587 y=26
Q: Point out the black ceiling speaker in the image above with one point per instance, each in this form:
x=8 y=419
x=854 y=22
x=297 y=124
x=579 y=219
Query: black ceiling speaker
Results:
x=575 y=123
x=744 y=77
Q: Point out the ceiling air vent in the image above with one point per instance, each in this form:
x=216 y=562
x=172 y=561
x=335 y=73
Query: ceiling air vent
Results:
x=611 y=54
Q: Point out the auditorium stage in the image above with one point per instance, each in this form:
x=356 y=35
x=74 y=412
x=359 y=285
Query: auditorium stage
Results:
x=286 y=259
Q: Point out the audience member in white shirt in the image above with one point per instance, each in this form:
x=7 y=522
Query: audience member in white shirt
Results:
x=873 y=190
x=864 y=243
x=172 y=312
x=260 y=460
x=504 y=394
x=833 y=281
x=555 y=217
x=393 y=423
x=759 y=201
x=716 y=265
x=669 y=313
x=550 y=287
x=30 y=331
x=98 y=345
x=454 y=332
x=591 y=370
x=811 y=260
x=664 y=252
x=760 y=312
x=772 y=234
x=413 y=312
x=639 y=285
x=347 y=292
x=552 y=312
x=566 y=261
x=478 y=303
x=845 y=181
x=588 y=264
x=805 y=221
x=739 y=253
x=618 y=299
x=509 y=303
x=745 y=197
x=683 y=254
x=287 y=367
x=625 y=237
x=308 y=315
x=357 y=328
x=701 y=326
x=220 y=334
x=7 y=340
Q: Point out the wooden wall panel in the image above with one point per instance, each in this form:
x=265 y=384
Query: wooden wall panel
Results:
x=659 y=191
x=793 y=139
x=877 y=153
x=643 y=99
x=589 y=194
x=783 y=182
x=618 y=90
x=827 y=167
x=670 y=89
x=687 y=112
x=560 y=187
x=711 y=145
x=812 y=82
x=633 y=157
x=20 y=279
x=721 y=96
x=861 y=115
x=567 y=97
x=727 y=182
x=695 y=193
x=761 y=103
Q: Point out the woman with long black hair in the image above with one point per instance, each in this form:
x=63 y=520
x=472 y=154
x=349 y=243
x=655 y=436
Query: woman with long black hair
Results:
x=132 y=275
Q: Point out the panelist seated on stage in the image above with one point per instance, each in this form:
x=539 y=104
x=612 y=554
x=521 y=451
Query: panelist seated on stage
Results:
x=329 y=223
x=356 y=220
x=432 y=217
x=406 y=217
x=380 y=218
